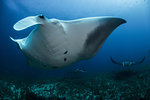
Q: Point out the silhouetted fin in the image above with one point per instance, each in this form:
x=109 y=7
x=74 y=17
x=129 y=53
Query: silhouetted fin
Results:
x=29 y=21
x=140 y=61
x=115 y=62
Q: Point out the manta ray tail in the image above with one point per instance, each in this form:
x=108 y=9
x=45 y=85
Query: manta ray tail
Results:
x=29 y=21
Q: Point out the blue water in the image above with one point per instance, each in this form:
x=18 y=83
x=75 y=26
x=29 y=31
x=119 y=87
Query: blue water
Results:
x=128 y=41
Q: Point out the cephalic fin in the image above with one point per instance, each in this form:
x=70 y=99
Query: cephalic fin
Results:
x=29 y=21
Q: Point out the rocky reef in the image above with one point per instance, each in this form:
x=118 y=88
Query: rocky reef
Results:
x=119 y=85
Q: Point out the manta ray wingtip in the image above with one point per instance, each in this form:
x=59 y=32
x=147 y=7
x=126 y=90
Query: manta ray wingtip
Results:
x=124 y=21
x=12 y=39
x=15 y=40
x=121 y=20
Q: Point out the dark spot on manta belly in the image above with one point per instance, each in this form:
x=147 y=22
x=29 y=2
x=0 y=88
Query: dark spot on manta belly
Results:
x=65 y=59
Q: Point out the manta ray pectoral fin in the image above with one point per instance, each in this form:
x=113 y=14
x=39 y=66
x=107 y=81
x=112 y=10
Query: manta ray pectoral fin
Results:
x=29 y=21
x=115 y=62
x=142 y=60
x=97 y=37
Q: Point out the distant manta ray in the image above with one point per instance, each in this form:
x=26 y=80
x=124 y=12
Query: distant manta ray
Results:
x=58 y=43
x=127 y=63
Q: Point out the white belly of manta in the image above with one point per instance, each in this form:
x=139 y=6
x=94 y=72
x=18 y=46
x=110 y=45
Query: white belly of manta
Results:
x=57 y=43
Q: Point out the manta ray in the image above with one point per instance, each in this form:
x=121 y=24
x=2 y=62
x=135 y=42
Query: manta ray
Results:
x=127 y=63
x=57 y=43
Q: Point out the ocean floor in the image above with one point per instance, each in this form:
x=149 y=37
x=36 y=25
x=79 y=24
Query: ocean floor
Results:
x=118 y=85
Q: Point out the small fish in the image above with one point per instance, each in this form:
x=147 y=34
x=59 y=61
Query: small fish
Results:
x=79 y=70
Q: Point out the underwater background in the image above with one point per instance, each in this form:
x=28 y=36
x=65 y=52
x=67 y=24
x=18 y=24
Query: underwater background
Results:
x=129 y=41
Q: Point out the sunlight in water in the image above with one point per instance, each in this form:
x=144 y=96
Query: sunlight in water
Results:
x=103 y=7
x=102 y=3
x=122 y=6
x=11 y=4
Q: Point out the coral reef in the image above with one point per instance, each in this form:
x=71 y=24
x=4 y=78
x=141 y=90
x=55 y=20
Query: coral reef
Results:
x=122 y=85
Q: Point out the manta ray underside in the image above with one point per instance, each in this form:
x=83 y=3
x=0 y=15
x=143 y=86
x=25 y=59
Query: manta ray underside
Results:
x=57 y=43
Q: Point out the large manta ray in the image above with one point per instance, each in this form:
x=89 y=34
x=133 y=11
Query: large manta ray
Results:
x=57 y=43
